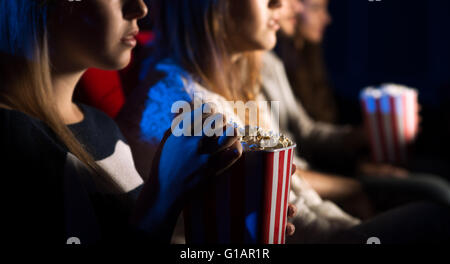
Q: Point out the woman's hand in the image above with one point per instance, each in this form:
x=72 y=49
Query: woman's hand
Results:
x=292 y=212
x=381 y=170
x=182 y=163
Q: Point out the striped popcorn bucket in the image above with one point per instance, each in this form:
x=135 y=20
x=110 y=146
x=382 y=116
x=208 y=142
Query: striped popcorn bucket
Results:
x=245 y=205
x=391 y=118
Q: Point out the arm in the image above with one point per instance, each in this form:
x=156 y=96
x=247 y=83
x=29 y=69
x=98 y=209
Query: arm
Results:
x=348 y=192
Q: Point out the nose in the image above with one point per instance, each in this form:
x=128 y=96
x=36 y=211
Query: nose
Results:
x=135 y=9
x=298 y=7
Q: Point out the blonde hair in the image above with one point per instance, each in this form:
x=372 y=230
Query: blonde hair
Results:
x=25 y=73
x=196 y=35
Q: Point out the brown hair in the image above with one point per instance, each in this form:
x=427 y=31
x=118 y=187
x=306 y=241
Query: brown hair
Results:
x=307 y=75
x=196 y=35
x=25 y=73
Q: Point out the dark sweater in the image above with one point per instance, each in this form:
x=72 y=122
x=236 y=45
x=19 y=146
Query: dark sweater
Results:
x=47 y=193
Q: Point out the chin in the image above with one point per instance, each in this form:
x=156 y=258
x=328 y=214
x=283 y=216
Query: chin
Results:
x=288 y=31
x=123 y=65
x=270 y=43
x=270 y=46
x=265 y=42
x=316 y=40
x=120 y=62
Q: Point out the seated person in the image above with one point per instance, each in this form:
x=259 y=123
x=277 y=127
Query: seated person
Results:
x=332 y=144
x=215 y=62
x=68 y=171
x=215 y=75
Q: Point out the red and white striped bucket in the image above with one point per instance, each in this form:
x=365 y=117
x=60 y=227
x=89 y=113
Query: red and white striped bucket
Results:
x=391 y=116
x=245 y=205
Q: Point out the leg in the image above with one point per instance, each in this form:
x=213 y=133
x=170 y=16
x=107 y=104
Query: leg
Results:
x=422 y=222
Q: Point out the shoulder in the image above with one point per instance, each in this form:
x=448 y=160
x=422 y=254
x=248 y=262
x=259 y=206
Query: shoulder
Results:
x=13 y=118
x=24 y=132
x=274 y=78
x=163 y=97
x=96 y=115
x=29 y=147
x=98 y=132
x=273 y=73
x=39 y=174
x=96 y=122
x=180 y=85
x=177 y=84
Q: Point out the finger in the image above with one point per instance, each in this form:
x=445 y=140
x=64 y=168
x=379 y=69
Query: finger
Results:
x=290 y=229
x=294 y=168
x=217 y=144
x=156 y=159
x=292 y=210
x=228 y=138
x=223 y=160
x=401 y=173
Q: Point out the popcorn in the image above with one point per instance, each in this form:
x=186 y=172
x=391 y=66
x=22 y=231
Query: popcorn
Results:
x=392 y=121
x=267 y=165
x=255 y=138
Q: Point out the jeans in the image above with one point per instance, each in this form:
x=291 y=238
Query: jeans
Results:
x=420 y=222
x=387 y=193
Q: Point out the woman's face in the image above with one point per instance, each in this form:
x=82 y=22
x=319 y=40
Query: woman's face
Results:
x=314 y=20
x=94 y=33
x=254 y=25
x=289 y=13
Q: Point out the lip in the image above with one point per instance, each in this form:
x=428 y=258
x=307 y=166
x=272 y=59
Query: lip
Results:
x=274 y=24
x=130 y=38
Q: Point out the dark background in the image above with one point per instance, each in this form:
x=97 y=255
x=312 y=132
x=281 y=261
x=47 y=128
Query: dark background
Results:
x=400 y=41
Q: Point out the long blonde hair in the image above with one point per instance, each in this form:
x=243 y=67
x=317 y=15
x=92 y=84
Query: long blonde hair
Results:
x=25 y=73
x=196 y=35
